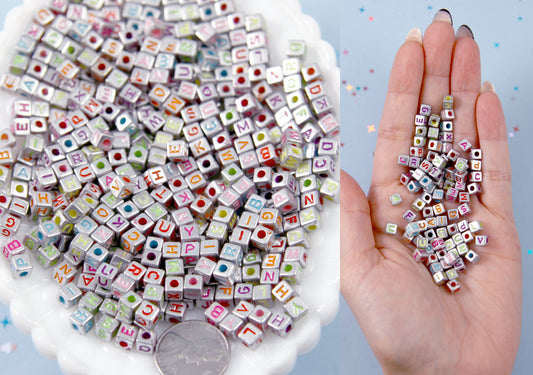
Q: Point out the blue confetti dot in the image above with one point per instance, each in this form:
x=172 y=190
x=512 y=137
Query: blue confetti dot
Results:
x=530 y=251
x=520 y=18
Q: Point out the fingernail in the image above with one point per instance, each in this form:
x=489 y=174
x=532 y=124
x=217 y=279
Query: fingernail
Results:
x=414 y=35
x=443 y=15
x=464 y=32
x=487 y=86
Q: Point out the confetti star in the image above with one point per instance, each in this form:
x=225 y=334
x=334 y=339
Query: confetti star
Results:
x=496 y=45
x=5 y=322
x=371 y=18
x=516 y=88
x=353 y=93
x=530 y=251
x=371 y=71
x=371 y=128
x=343 y=81
x=430 y=7
x=365 y=88
x=511 y=135
x=361 y=10
x=516 y=129
x=8 y=347
x=520 y=18
x=345 y=52
x=349 y=87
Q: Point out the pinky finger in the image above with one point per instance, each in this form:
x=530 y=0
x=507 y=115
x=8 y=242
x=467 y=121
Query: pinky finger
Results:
x=496 y=162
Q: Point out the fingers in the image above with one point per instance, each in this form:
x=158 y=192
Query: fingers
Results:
x=465 y=81
x=438 y=46
x=396 y=126
x=496 y=165
x=358 y=252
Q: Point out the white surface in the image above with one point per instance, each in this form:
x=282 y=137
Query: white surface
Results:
x=33 y=302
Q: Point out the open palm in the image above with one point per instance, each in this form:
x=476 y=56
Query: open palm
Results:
x=413 y=326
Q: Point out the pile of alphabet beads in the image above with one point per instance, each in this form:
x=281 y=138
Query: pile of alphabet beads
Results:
x=445 y=179
x=166 y=167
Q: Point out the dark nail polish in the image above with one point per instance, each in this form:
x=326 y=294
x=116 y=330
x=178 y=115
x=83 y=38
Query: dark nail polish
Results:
x=443 y=15
x=464 y=31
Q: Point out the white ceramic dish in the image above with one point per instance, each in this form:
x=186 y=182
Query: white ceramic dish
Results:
x=33 y=303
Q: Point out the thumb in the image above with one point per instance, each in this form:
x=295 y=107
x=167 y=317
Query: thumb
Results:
x=358 y=248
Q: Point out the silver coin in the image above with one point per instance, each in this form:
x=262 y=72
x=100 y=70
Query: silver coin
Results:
x=193 y=348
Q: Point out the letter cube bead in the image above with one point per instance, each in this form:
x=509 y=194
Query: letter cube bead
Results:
x=421 y=120
x=447 y=102
x=145 y=342
x=475 y=154
x=403 y=160
x=439 y=277
x=465 y=145
x=419 y=255
x=435 y=266
x=296 y=308
x=243 y=309
x=391 y=228
x=291 y=272
x=128 y=303
x=126 y=336
x=122 y=285
x=280 y=323
x=192 y=288
x=109 y=306
x=69 y=295
x=462 y=249
x=395 y=199
x=224 y=272
x=175 y=311
x=460 y=265
x=243 y=291
x=215 y=313
x=447 y=114
x=464 y=209
x=434 y=120
x=82 y=321
x=106 y=328
x=147 y=314
x=259 y=316
x=251 y=336
x=251 y=273
x=64 y=272
x=453 y=286
x=91 y=302
x=21 y=266
x=283 y=291
x=13 y=247
x=473 y=188
x=481 y=240
x=133 y=240
x=472 y=256
x=231 y=325
x=425 y=109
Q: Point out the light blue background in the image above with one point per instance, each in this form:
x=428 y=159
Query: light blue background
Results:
x=371 y=32
x=323 y=359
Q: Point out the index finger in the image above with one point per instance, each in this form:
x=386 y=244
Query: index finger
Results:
x=396 y=126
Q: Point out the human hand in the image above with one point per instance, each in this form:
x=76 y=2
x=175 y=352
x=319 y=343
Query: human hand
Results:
x=413 y=326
